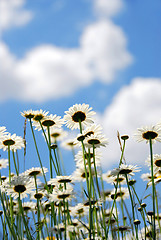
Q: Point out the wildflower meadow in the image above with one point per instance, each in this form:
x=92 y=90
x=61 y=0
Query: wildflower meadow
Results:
x=44 y=203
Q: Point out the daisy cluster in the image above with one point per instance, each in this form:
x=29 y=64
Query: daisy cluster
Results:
x=42 y=203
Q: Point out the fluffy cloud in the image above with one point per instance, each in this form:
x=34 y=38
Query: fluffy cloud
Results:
x=13 y=14
x=134 y=106
x=48 y=72
x=107 y=8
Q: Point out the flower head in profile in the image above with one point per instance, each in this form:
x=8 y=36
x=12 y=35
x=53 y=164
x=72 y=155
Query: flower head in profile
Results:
x=36 y=171
x=96 y=140
x=79 y=210
x=29 y=114
x=88 y=156
x=57 y=134
x=69 y=144
x=39 y=115
x=12 y=141
x=114 y=179
x=93 y=129
x=38 y=194
x=58 y=195
x=156 y=162
x=125 y=170
x=148 y=177
x=28 y=206
x=147 y=133
x=122 y=193
x=49 y=121
x=79 y=113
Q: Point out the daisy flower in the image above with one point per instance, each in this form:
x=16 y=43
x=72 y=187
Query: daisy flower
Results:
x=28 y=114
x=113 y=179
x=69 y=144
x=39 y=115
x=147 y=177
x=49 y=121
x=79 y=158
x=79 y=113
x=156 y=162
x=35 y=171
x=80 y=175
x=125 y=169
x=95 y=140
x=3 y=163
x=28 y=206
x=57 y=134
x=19 y=185
x=79 y=210
x=148 y=132
x=38 y=195
x=93 y=129
x=122 y=193
x=64 y=179
x=57 y=196
x=15 y=142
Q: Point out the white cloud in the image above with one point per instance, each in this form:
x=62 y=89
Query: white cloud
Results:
x=135 y=105
x=48 y=72
x=107 y=8
x=13 y=14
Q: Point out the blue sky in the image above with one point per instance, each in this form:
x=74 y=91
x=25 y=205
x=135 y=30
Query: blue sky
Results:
x=105 y=53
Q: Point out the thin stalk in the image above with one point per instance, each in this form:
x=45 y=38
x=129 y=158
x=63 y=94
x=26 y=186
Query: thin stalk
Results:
x=29 y=237
x=37 y=151
x=132 y=203
x=153 y=189
x=48 y=147
x=38 y=209
x=13 y=233
x=14 y=160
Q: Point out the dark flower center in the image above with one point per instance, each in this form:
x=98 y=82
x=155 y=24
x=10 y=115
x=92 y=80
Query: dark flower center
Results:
x=63 y=196
x=107 y=193
x=8 y=142
x=79 y=116
x=26 y=208
x=30 y=115
x=34 y=173
x=48 y=123
x=119 y=179
x=81 y=210
x=71 y=144
x=89 y=133
x=3 y=178
x=64 y=180
x=81 y=138
x=125 y=171
x=158 y=162
x=38 y=117
x=87 y=155
x=94 y=141
x=150 y=135
x=38 y=195
x=84 y=175
x=119 y=194
x=55 y=135
x=88 y=203
x=19 y=188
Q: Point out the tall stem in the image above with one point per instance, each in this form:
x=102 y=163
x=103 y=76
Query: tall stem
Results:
x=153 y=188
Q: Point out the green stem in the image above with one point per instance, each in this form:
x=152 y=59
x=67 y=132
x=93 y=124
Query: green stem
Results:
x=38 y=152
x=153 y=189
